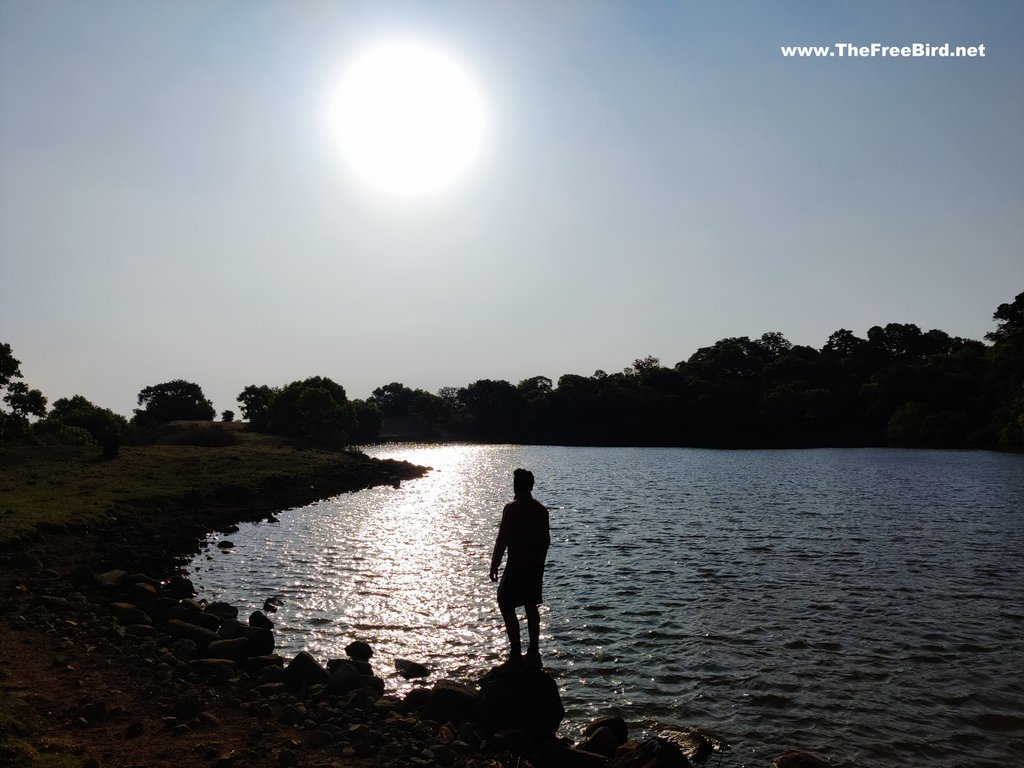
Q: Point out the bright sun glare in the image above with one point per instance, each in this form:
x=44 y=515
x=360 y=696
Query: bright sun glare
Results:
x=407 y=118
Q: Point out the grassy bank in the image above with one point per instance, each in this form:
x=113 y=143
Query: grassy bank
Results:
x=47 y=489
x=62 y=507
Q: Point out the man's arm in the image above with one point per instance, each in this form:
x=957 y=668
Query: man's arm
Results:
x=500 y=545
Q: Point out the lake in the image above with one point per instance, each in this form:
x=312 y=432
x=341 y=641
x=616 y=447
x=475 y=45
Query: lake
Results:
x=866 y=605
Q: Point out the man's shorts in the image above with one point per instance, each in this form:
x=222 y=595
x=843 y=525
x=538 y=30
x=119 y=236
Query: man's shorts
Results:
x=520 y=587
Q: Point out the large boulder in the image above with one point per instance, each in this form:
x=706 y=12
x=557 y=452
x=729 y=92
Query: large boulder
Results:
x=452 y=701
x=201 y=636
x=520 y=698
x=236 y=649
x=179 y=587
x=305 y=670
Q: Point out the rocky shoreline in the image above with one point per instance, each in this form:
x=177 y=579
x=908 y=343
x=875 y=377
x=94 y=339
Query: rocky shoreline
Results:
x=140 y=670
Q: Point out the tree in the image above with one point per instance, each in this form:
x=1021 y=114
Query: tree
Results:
x=315 y=409
x=843 y=343
x=392 y=400
x=78 y=411
x=22 y=400
x=227 y=416
x=1009 y=318
x=172 y=401
x=368 y=422
x=773 y=345
x=10 y=367
x=25 y=402
x=495 y=409
x=256 y=402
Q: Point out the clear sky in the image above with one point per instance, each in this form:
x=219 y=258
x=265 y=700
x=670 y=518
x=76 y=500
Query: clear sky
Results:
x=654 y=176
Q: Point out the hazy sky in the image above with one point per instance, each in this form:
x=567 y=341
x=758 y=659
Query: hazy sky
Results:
x=655 y=176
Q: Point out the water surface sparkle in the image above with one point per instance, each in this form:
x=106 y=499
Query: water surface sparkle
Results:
x=863 y=605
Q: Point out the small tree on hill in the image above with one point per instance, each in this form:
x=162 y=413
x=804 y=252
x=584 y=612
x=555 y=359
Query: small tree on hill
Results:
x=172 y=401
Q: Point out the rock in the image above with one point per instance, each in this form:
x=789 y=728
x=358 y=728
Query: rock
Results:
x=287 y=759
x=255 y=663
x=359 y=650
x=696 y=745
x=223 y=610
x=175 y=611
x=344 y=677
x=511 y=740
x=81 y=575
x=555 y=755
x=126 y=613
x=416 y=700
x=320 y=738
x=410 y=669
x=261 y=642
x=450 y=700
x=236 y=649
x=225 y=544
x=140 y=593
x=219 y=669
x=141 y=630
x=652 y=753
x=305 y=670
x=271 y=604
x=521 y=698
x=184 y=649
x=601 y=741
x=183 y=630
x=798 y=760
x=205 y=620
x=232 y=628
x=112 y=579
x=614 y=723
x=269 y=674
x=22 y=561
x=179 y=587
x=259 y=620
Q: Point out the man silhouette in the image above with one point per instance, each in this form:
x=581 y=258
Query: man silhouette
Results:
x=524 y=532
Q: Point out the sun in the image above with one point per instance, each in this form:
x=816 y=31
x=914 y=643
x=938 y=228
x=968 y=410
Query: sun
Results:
x=407 y=119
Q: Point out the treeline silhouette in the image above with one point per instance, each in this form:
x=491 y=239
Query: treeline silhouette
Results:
x=897 y=386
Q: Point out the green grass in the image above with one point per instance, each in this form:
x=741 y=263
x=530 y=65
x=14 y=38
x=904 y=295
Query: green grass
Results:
x=61 y=486
x=25 y=740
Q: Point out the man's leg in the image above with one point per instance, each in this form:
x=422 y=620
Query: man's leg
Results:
x=508 y=613
x=533 y=627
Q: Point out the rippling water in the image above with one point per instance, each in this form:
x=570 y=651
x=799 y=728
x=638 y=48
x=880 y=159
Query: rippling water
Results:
x=864 y=605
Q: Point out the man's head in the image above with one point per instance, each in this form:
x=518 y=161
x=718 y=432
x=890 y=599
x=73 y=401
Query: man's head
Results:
x=522 y=482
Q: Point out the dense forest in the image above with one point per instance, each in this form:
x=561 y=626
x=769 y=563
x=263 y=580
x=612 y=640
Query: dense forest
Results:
x=898 y=386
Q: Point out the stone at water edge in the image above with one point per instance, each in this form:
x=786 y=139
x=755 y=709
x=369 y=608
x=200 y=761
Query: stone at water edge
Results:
x=260 y=620
x=305 y=670
x=451 y=701
x=521 y=698
x=615 y=723
x=694 y=743
x=359 y=650
x=601 y=741
x=179 y=587
x=222 y=609
x=410 y=669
